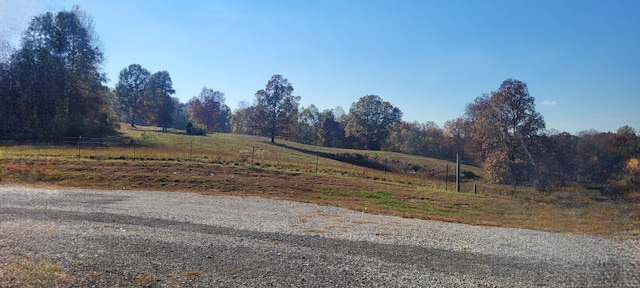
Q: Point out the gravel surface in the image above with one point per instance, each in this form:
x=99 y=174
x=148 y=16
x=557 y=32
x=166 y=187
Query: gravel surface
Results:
x=171 y=239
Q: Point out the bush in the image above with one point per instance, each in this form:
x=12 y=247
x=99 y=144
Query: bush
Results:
x=195 y=129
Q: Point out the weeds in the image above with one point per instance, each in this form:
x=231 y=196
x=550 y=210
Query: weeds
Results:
x=27 y=273
x=216 y=163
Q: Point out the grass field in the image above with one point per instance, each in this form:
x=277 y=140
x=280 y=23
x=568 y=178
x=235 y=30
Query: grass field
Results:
x=369 y=181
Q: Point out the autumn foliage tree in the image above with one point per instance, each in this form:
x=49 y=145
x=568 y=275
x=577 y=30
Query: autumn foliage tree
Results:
x=457 y=133
x=601 y=160
x=241 y=119
x=206 y=108
x=504 y=124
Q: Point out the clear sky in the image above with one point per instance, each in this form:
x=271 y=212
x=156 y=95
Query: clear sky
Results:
x=580 y=58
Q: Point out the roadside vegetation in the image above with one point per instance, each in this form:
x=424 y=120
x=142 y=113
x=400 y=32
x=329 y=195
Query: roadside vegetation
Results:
x=27 y=273
x=61 y=125
x=376 y=182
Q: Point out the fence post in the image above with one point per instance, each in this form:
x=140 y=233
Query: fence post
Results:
x=446 y=179
x=457 y=172
x=79 y=138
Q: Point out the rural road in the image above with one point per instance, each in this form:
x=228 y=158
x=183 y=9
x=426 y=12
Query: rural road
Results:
x=171 y=239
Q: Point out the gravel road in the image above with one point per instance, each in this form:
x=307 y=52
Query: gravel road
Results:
x=171 y=239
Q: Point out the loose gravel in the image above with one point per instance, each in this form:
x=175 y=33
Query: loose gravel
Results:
x=171 y=239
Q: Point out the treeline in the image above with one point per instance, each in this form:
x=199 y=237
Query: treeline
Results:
x=503 y=131
x=52 y=88
x=144 y=98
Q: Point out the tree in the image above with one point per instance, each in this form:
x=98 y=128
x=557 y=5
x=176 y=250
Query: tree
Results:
x=309 y=125
x=333 y=131
x=332 y=127
x=206 y=108
x=504 y=124
x=371 y=119
x=131 y=90
x=241 y=119
x=6 y=50
x=405 y=138
x=54 y=86
x=457 y=132
x=159 y=90
x=433 y=138
x=179 y=114
x=277 y=109
x=626 y=130
x=596 y=158
x=11 y=110
x=416 y=138
x=224 y=120
x=338 y=114
x=557 y=161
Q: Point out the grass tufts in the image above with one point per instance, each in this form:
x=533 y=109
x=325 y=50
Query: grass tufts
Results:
x=375 y=195
x=373 y=181
x=27 y=273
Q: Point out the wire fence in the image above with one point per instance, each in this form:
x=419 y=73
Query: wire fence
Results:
x=41 y=155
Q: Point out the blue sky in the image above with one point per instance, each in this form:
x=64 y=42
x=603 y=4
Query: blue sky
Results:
x=580 y=59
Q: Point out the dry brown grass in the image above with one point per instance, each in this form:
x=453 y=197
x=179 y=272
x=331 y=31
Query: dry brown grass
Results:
x=29 y=273
x=193 y=273
x=282 y=173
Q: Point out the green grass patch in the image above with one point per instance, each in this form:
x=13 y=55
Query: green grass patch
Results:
x=428 y=207
x=399 y=205
x=375 y=195
x=250 y=165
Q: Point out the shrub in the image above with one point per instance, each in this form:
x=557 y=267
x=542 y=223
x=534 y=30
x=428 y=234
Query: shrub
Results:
x=195 y=129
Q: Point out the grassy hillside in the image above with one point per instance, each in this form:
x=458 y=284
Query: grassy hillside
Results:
x=369 y=181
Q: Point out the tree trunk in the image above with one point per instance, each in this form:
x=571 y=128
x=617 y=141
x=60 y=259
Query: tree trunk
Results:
x=133 y=120
x=273 y=132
